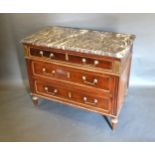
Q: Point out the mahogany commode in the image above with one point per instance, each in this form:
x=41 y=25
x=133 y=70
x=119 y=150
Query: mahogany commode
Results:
x=82 y=68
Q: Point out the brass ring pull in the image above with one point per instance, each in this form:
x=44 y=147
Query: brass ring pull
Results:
x=96 y=62
x=85 y=99
x=51 y=55
x=84 y=60
x=53 y=72
x=95 y=81
x=55 y=91
x=44 y=70
x=41 y=53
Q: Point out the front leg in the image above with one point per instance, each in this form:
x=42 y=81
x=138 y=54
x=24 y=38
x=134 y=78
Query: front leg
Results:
x=114 y=122
x=35 y=100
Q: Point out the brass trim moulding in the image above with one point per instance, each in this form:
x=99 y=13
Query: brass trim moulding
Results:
x=117 y=67
x=26 y=50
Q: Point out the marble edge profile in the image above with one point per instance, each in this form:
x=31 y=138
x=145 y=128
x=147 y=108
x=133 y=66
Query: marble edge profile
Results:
x=119 y=54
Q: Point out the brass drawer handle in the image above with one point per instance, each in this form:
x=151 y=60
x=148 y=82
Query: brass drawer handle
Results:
x=84 y=60
x=41 y=53
x=55 y=91
x=95 y=81
x=85 y=99
x=96 y=62
x=44 y=71
x=51 y=55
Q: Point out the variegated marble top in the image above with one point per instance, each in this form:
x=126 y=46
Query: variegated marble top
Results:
x=82 y=40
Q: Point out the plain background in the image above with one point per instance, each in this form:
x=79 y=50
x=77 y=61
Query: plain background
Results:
x=16 y=26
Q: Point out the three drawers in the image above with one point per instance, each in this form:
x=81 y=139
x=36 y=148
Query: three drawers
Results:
x=74 y=85
x=82 y=68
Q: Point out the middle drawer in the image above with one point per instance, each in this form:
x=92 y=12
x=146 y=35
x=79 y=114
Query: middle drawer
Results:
x=71 y=74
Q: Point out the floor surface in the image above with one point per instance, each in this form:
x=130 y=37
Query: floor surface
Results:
x=21 y=121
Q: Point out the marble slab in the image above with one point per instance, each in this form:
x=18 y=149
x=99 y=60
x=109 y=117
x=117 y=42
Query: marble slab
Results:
x=82 y=40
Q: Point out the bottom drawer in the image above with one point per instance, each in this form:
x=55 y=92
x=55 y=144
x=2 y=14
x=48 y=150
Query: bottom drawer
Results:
x=73 y=94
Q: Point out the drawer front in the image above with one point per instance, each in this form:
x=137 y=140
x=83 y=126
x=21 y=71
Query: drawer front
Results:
x=47 y=54
x=69 y=58
x=91 y=62
x=104 y=82
x=52 y=89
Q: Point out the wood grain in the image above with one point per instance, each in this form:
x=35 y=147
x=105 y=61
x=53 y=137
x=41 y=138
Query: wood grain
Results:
x=64 y=76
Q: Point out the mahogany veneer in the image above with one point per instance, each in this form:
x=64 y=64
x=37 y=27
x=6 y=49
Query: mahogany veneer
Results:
x=93 y=82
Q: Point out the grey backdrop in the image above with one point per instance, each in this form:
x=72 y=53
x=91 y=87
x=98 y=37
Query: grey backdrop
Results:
x=21 y=121
x=13 y=27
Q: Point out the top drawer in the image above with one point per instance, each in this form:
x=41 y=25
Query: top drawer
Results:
x=86 y=61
